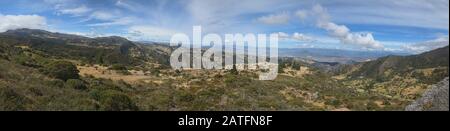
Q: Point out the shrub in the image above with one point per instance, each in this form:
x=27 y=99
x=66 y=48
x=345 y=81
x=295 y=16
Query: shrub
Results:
x=117 y=67
x=10 y=100
x=62 y=70
x=123 y=72
x=113 y=100
x=156 y=72
x=177 y=71
x=56 y=83
x=334 y=102
x=237 y=81
x=75 y=84
x=372 y=106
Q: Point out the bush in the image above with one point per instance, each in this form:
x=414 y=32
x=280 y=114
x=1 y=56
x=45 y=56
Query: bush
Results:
x=62 y=70
x=75 y=84
x=113 y=100
x=117 y=67
x=55 y=83
x=123 y=72
x=236 y=81
x=372 y=106
x=10 y=100
x=334 y=102
x=156 y=72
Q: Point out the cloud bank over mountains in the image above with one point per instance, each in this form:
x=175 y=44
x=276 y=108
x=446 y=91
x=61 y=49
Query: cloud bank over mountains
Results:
x=428 y=45
x=11 y=22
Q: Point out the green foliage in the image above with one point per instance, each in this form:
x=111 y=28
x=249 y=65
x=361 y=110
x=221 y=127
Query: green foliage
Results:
x=10 y=100
x=372 y=106
x=56 y=83
x=156 y=72
x=296 y=66
x=22 y=87
x=124 y=72
x=62 y=70
x=75 y=84
x=436 y=76
x=118 y=67
x=401 y=65
x=334 y=102
x=111 y=100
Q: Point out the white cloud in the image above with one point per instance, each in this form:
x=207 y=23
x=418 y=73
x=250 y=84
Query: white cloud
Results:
x=102 y=15
x=283 y=35
x=302 y=14
x=295 y=36
x=341 y=32
x=78 y=11
x=413 y=13
x=427 y=45
x=143 y=32
x=118 y=21
x=225 y=16
x=280 y=18
x=11 y=22
x=301 y=37
x=109 y=17
x=127 y=5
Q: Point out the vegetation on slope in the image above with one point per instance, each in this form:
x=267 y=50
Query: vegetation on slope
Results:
x=40 y=70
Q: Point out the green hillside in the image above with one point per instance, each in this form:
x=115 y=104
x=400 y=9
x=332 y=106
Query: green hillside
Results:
x=41 y=70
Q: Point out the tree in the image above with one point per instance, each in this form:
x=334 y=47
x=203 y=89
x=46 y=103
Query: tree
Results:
x=62 y=70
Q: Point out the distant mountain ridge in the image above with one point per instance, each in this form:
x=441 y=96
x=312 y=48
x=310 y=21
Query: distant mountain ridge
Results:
x=100 y=50
x=335 y=55
x=386 y=67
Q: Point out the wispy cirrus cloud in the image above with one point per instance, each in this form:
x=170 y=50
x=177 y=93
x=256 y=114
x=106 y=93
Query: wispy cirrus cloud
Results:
x=412 y=13
x=77 y=11
x=279 y=18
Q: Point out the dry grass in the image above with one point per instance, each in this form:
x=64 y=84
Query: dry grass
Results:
x=103 y=72
x=297 y=73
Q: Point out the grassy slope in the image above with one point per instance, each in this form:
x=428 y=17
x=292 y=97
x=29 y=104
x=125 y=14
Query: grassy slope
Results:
x=24 y=87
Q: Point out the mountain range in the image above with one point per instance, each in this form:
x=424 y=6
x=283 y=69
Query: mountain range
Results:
x=335 y=55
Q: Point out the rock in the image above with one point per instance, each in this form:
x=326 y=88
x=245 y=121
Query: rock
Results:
x=434 y=99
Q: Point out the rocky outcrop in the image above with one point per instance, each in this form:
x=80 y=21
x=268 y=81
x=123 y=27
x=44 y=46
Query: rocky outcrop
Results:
x=434 y=99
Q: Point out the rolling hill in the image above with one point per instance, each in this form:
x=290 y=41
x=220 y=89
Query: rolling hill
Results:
x=390 y=66
x=41 y=70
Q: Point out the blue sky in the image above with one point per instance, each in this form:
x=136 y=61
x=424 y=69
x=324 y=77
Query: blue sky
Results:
x=402 y=25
